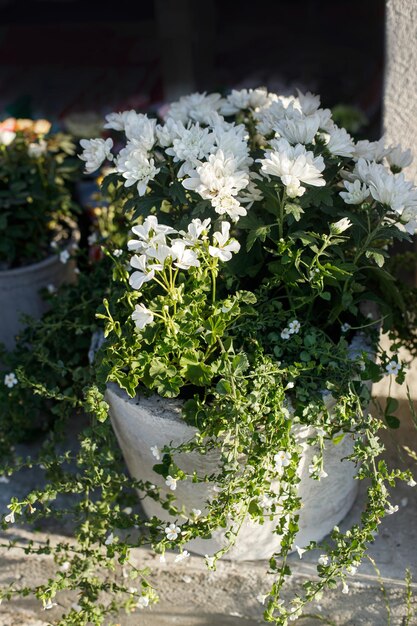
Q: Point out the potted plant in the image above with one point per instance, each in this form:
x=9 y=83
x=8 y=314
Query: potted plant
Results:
x=242 y=339
x=241 y=336
x=36 y=219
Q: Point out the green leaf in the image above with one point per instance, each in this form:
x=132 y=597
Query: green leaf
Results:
x=259 y=233
x=294 y=209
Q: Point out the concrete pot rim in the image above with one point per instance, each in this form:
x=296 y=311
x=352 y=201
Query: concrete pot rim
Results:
x=39 y=265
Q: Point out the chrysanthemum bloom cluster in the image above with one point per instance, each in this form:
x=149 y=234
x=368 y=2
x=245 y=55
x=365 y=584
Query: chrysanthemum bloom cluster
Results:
x=221 y=149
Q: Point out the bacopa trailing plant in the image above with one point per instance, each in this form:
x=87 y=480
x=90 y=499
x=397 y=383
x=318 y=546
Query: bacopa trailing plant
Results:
x=253 y=288
x=36 y=176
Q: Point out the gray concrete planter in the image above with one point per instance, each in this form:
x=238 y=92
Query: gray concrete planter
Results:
x=140 y=423
x=19 y=292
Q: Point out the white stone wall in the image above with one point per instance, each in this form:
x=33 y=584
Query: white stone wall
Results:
x=400 y=101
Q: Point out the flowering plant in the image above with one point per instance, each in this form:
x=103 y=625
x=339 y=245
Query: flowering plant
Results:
x=258 y=279
x=36 y=176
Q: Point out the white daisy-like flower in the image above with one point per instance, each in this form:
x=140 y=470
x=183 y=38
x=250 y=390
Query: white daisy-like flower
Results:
x=156 y=452
x=142 y=316
x=226 y=246
x=143 y=273
x=356 y=193
x=10 y=380
x=285 y=334
x=309 y=102
x=282 y=459
x=134 y=164
x=393 y=368
x=64 y=256
x=95 y=152
x=171 y=482
x=184 y=257
x=323 y=559
x=240 y=99
x=182 y=556
x=294 y=327
x=135 y=125
x=192 y=145
x=293 y=165
x=172 y=531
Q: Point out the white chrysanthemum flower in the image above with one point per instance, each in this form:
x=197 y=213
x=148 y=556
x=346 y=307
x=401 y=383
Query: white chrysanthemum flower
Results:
x=371 y=150
x=142 y=316
x=167 y=132
x=356 y=193
x=394 y=192
x=309 y=102
x=293 y=165
x=339 y=142
x=197 y=107
x=227 y=204
x=251 y=193
x=242 y=99
x=220 y=177
x=282 y=459
x=280 y=107
x=184 y=257
x=225 y=245
x=192 y=145
x=135 y=166
x=298 y=129
x=171 y=483
x=143 y=273
x=393 y=368
x=399 y=158
x=95 y=152
x=182 y=556
x=172 y=531
x=10 y=380
x=232 y=140
x=135 y=125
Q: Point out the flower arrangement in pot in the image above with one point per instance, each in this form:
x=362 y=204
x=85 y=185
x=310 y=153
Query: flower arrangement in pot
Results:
x=37 y=213
x=241 y=338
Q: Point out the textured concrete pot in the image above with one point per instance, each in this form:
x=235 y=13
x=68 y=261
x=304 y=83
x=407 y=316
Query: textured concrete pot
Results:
x=140 y=423
x=19 y=292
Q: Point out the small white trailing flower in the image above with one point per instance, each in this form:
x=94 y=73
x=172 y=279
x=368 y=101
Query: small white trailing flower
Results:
x=171 y=483
x=356 y=193
x=51 y=289
x=4 y=480
x=392 y=509
x=210 y=560
x=110 y=540
x=64 y=256
x=196 y=512
x=182 y=556
x=10 y=380
x=300 y=551
x=143 y=602
x=294 y=327
x=352 y=569
x=285 y=334
x=10 y=518
x=393 y=368
x=48 y=605
x=323 y=559
x=282 y=459
x=261 y=597
x=65 y=566
x=142 y=316
x=172 y=531
x=225 y=245
x=411 y=482
x=337 y=228
x=322 y=474
x=95 y=152
x=118 y=252
x=345 y=588
x=156 y=452
x=345 y=327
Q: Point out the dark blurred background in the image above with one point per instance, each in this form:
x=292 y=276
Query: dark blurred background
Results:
x=60 y=58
